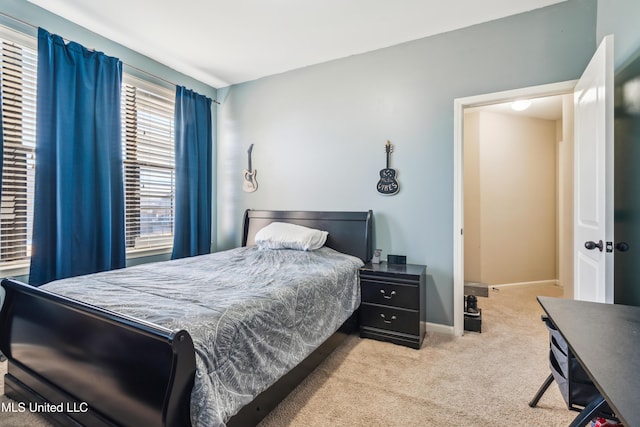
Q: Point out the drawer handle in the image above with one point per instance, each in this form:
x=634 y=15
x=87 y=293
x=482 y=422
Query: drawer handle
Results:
x=385 y=296
x=384 y=319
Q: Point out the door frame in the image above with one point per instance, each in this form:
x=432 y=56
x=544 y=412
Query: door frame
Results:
x=459 y=104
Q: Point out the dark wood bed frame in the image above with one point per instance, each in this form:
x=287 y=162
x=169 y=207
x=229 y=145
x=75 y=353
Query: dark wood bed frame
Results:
x=88 y=366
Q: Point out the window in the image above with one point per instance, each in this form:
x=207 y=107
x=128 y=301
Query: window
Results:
x=147 y=151
x=18 y=68
x=148 y=155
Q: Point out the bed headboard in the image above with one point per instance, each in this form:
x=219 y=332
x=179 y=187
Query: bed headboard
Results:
x=349 y=232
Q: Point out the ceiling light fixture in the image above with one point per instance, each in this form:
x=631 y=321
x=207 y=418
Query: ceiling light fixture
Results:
x=521 y=104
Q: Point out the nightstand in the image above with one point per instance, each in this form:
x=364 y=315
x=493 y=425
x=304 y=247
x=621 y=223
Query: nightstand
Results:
x=393 y=300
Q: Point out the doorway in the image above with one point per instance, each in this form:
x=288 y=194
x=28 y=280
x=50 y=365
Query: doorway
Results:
x=487 y=103
x=518 y=167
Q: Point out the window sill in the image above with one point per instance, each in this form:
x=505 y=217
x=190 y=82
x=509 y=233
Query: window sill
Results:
x=22 y=269
x=14 y=270
x=141 y=253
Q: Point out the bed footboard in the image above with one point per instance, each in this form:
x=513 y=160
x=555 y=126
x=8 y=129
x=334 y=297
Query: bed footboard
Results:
x=92 y=366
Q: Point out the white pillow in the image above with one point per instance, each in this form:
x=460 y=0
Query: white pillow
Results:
x=282 y=235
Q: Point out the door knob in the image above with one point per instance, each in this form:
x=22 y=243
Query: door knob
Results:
x=622 y=246
x=592 y=245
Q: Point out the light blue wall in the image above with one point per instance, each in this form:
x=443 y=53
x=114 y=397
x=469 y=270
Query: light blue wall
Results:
x=622 y=19
x=319 y=132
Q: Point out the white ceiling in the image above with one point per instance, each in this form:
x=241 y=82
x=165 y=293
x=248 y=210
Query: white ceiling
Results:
x=222 y=42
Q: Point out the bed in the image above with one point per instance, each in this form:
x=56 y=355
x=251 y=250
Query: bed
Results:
x=94 y=365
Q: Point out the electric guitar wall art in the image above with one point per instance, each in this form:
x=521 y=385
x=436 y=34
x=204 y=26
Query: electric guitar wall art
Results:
x=250 y=184
x=387 y=183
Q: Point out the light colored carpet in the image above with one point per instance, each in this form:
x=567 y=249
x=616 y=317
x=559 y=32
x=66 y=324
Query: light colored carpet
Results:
x=479 y=379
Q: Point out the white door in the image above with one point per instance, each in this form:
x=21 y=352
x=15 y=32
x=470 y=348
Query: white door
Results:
x=593 y=197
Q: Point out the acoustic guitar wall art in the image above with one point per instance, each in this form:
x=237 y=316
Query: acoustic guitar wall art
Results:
x=387 y=183
x=250 y=184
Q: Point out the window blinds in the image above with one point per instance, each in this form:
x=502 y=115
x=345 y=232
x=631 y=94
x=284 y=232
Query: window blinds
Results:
x=148 y=155
x=18 y=68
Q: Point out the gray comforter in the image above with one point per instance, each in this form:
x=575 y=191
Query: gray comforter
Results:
x=253 y=314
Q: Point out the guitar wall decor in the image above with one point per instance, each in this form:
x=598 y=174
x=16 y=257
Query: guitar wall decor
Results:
x=250 y=184
x=387 y=183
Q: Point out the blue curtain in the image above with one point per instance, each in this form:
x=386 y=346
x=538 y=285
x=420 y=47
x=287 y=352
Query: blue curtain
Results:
x=78 y=224
x=192 y=223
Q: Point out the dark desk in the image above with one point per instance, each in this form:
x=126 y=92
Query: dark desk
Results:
x=605 y=338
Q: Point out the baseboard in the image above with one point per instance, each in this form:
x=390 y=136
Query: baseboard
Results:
x=439 y=328
x=538 y=282
x=449 y=330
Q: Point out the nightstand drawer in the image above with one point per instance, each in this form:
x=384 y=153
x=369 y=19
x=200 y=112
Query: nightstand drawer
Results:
x=385 y=293
x=390 y=318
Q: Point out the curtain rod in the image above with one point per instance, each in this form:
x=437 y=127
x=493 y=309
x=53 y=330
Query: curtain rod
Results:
x=20 y=21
